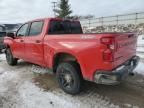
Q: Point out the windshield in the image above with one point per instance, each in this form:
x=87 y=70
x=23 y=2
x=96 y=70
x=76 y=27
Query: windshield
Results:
x=65 y=27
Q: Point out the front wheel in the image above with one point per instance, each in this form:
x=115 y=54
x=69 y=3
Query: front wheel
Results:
x=10 y=59
x=69 y=78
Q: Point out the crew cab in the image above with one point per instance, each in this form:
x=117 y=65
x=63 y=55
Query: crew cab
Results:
x=61 y=46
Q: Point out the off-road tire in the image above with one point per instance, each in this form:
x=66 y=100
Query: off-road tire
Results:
x=10 y=59
x=73 y=70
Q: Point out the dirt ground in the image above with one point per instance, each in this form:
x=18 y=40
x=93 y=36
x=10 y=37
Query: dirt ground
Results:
x=128 y=94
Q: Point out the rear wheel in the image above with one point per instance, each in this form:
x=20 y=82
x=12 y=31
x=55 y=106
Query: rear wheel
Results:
x=69 y=78
x=10 y=59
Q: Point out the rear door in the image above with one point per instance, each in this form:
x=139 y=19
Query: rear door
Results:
x=18 y=47
x=34 y=43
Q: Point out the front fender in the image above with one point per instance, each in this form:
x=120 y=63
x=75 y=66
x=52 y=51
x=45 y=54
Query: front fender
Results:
x=8 y=41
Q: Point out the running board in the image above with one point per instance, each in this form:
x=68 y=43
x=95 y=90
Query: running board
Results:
x=41 y=70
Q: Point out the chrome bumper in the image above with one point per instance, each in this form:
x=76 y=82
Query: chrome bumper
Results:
x=118 y=74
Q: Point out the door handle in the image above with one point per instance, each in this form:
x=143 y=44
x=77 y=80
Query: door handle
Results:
x=38 y=41
x=21 y=40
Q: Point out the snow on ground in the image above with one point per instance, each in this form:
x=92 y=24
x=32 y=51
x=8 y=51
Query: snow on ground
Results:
x=28 y=95
x=34 y=97
x=141 y=55
x=140 y=52
x=140 y=68
x=140 y=49
x=140 y=40
x=140 y=46
x=5 y=77
x=2 y=57
x=17 y=91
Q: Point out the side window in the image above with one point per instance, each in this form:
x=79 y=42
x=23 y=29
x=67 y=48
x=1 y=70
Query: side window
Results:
x=23 y=30
x=58 y=27
x=36 y=28
x=76 y=28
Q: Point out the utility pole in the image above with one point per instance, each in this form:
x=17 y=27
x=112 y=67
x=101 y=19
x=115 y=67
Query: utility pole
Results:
x=54 y=7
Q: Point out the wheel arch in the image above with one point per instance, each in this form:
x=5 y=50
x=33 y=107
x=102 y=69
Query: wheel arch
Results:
x=6 y=47
x=64 y=57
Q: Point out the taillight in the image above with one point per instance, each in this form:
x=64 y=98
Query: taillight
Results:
x=109 y=42
x=108 y=54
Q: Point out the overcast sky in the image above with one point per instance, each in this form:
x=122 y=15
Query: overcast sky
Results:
x=19 y=11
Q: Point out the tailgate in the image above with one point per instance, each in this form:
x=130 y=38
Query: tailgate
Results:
x=126 y=48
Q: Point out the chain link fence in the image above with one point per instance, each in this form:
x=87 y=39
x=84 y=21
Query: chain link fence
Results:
x=133 y=22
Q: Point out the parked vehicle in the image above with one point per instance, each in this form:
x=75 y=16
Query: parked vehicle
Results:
x=2 y=35
x=61 y=46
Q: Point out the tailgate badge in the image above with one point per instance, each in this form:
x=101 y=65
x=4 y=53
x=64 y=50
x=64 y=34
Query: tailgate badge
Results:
x=87 y=37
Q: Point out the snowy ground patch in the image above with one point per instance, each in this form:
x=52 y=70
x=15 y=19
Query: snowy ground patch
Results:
x=140 y=46
x=6 y=77
x=140 y=68
x=34 y=97
x=17 y=90
x=2 y=57
x=141 y=40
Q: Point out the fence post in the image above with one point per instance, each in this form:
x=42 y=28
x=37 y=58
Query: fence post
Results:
x=117 y=20
x=102 y=21
x=89 y=22
x=136 y=18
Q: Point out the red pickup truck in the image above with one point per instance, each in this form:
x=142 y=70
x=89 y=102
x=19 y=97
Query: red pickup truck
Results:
x=61 y=46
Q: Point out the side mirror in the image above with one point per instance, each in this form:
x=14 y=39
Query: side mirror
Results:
x=12 y=35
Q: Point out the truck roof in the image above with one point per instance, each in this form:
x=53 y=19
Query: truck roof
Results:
x=51 y=18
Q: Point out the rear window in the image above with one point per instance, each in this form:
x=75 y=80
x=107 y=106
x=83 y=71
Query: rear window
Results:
x=64 y=27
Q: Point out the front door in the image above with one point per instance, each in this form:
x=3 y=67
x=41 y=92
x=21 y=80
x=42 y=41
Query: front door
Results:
x=18 y=48
x=34 y=43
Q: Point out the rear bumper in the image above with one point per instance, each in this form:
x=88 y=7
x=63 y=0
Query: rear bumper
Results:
x=118 y=74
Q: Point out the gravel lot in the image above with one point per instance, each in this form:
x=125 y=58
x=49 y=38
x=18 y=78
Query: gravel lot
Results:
x=21 y=88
